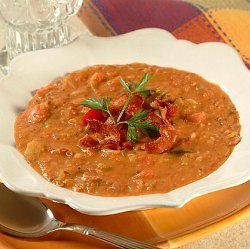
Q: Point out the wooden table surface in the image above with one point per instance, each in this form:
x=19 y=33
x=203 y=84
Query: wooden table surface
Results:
x=236 y=236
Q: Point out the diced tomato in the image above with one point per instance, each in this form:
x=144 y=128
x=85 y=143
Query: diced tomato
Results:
x=39 y=113
x=197 y=118
x=92 y=114
x=155 y=119
x=172 y=109
x=88 y=141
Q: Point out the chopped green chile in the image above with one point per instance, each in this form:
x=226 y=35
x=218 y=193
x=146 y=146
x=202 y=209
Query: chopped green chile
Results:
x=180 y=152
x=48 y=132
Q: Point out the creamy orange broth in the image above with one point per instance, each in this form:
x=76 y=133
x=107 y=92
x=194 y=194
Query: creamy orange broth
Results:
x=51 y=144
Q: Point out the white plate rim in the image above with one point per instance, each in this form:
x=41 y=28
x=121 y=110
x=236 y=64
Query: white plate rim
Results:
x=214 y=61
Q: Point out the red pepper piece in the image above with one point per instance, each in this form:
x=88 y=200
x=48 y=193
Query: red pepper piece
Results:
x=93 y=114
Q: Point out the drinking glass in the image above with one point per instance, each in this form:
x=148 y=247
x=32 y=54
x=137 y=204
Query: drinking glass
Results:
x=36 y=24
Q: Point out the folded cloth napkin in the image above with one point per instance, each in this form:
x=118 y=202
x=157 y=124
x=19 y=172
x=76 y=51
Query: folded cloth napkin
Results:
x=193 y=20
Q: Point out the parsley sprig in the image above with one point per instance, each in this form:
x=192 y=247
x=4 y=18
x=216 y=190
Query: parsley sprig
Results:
x=134 y=123
x=134 y=88
x=101 y=104
x=137 y=121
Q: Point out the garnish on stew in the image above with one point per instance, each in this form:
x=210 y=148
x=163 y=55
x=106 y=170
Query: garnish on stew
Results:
x=121 y=122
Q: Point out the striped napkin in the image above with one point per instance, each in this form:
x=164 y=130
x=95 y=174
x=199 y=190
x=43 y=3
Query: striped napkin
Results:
x=194 y=20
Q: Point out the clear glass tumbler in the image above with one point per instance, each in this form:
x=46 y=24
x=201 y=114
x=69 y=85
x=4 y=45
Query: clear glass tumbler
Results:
x=36 y=24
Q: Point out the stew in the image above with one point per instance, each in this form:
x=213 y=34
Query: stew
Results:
x=119 y=130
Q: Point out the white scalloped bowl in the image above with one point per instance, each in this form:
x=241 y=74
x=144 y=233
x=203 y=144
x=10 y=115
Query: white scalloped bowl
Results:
x=216 y=62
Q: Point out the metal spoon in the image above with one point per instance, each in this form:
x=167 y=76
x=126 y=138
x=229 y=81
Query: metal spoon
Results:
x=28 y=217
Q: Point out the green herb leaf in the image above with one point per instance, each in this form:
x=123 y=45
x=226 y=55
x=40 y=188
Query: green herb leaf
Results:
x=132 y=134
x=125 y=106
x=93 y=103
x=124 y=84
x=106 y=102
x=145 y=93
x=145 y=79
x=138 y=89
x=147 y=127
x=139 y=115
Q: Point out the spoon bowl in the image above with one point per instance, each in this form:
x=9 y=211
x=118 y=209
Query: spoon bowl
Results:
x=28 y=217
x=24 y=216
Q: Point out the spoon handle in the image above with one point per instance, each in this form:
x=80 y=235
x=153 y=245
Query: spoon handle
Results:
x=111 y=238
